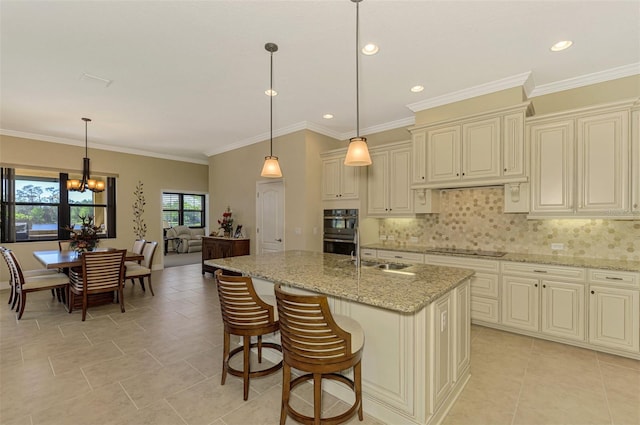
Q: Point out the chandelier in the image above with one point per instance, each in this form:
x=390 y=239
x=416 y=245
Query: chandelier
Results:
x=87 y=182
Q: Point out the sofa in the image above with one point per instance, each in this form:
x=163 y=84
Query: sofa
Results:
x=185 y=239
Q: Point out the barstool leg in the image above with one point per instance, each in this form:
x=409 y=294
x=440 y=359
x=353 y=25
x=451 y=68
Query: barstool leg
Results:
x=259 y=348
x=357 y=377
x=225 y=357
x=317 y=398
x=246 y=350
x=286 y=388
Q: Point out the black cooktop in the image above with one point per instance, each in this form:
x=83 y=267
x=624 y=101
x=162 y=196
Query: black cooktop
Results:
x=476 y=253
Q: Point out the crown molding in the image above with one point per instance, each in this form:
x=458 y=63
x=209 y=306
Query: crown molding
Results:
x=523 y=80
x=391 y=125
x=586 y=80
x=65 y=141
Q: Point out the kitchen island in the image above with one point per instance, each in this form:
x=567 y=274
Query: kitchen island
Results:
x=416 y=323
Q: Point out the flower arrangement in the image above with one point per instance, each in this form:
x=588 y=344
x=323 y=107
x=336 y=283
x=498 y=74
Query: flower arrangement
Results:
x=86 y=237
x=226 y=223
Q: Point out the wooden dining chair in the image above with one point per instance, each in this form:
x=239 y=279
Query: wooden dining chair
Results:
x=134 y=270
x=245 y=314
x=65 y=245
x=102 y=271
x=13 y=298
x=23 y=286
x=320 y=345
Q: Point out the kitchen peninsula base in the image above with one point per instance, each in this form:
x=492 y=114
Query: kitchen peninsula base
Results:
x=415 y=363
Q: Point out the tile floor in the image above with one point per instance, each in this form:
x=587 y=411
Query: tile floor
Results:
x=159 y=363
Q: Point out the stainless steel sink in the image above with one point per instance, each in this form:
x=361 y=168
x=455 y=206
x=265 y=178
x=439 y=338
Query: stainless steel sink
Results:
x=393 y=266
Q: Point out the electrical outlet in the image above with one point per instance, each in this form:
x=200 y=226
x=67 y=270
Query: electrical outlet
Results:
x=557 y=246
x=383 y=237
x=413 y=239
x=391 y=238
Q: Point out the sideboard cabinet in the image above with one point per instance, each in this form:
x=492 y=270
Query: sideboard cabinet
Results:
x=216 y=247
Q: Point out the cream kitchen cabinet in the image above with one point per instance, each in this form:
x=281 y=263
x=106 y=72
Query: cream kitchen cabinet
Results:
x=389 y=181
x=614 y=304
x=485 y=284
x=338 y=180
x=545 y=299
x=471 y=151
x=581 y=163
x=467 y=151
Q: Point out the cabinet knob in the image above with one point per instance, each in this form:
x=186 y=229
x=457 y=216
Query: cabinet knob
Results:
x=505 y=170
x=536 y=285
x=635 y=206
x=544 y=286
x=593 y=292
x=463 y=174
x=423 y=179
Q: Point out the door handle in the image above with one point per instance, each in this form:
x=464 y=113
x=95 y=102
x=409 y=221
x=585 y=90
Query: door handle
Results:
x=278 y=240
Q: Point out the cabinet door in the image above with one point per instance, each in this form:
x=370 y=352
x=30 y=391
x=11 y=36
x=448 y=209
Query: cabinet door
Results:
x=520 y=302
x=552 y=167
x=481 y=149
x=443 y=154
x=442 y=362
x=377 y=185
x=419 y=145
x=635 y=162
x=563 y=309
x=331 y=178
x=349 y=181
x=400 y=195
x=614 y=321
x=513 y=145
x=603 y=162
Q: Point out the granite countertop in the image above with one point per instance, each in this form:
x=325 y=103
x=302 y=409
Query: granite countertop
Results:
x=406 y=291
x=594 y=263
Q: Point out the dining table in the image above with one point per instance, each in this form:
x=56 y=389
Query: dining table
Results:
x=56 y=259
x=61 y=260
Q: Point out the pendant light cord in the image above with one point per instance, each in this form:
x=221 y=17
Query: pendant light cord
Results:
x=271 y=109
x=357 y=70
x=86 y=148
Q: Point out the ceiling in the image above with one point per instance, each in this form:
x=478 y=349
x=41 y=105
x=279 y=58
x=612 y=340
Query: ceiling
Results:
x=187 y=78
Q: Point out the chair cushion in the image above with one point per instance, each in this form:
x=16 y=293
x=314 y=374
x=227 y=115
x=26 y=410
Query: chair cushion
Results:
x=353 y=327
x=45 y=281
x=136 y=270
x=131 y=263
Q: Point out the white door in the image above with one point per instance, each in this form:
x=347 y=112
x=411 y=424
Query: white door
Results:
x=270 y=216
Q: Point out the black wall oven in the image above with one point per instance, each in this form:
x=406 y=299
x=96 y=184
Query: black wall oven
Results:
x=339 y=231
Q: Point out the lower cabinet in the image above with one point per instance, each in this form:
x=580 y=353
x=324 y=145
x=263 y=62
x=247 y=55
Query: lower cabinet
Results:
x=214 y=247
x=552 y=305
x=614 y=304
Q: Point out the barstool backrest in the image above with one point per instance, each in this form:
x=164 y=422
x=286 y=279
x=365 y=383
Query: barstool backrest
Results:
x=308 y=331
x=240 y=304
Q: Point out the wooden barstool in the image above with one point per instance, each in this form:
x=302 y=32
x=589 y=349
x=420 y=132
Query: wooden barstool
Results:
x=321 y=345
x=245 y=314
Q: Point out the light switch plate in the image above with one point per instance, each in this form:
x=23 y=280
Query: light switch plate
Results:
x=383 y=237
x=557 y=246
x=391 y=238
x=413 y=239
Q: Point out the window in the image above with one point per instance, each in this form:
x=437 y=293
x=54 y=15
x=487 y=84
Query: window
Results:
x=36 y=206
x=183 y=209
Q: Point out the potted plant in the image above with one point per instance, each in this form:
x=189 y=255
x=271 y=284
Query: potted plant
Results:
x=226 y=222
x=86 y=237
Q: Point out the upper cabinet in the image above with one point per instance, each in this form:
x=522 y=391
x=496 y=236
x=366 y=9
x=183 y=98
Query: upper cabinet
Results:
x=389 y=181
x=338 y=180
x=473 y=151
x=635 y=159
x=582 y=163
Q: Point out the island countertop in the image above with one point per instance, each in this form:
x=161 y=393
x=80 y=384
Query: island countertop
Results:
x=406 y=291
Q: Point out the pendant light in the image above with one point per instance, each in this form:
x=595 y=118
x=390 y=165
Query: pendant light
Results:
x=87 y=182
x=358 y=152
x=271 y=167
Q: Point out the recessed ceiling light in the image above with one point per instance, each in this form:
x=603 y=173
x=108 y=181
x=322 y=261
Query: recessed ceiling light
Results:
x=370 y=49
x=270 y=92
x=561 y=45
x=327 y=116
x=417 y=89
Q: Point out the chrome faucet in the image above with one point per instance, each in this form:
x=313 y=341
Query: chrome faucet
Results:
x=356 y=240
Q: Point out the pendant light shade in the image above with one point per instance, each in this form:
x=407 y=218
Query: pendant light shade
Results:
x=87 y=182
x=358 y=152
x=271 y=167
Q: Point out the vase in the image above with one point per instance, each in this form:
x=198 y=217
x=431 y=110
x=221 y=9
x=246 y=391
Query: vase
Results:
x=227 y=234
x=83 y=246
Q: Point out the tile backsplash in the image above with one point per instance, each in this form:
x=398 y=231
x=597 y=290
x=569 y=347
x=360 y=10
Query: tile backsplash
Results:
x=474 y=219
